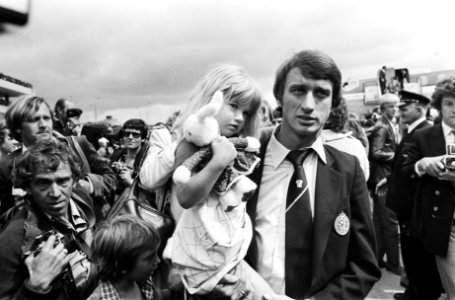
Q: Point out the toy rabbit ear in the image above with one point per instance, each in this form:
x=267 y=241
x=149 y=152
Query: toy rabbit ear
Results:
x=213 y=107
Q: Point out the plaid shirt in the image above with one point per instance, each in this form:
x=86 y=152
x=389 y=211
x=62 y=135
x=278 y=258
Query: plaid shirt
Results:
x=107 y=291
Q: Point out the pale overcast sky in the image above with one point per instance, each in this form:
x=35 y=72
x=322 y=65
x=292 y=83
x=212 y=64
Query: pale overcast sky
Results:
x=140 y=58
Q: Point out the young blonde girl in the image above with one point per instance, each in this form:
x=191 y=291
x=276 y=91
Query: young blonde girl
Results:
x=201 y=249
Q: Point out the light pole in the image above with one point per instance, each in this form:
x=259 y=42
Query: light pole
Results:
x=147 y=110
x=95 y=110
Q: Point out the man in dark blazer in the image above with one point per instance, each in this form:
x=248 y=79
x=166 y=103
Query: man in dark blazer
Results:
x=434 y=207
x=342 y=261
x=29 y=120
x=383 y=143
x=420 y=265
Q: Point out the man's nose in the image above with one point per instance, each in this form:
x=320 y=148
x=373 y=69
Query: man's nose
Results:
x=43 y=122
x=55 y=190
x=308 y=103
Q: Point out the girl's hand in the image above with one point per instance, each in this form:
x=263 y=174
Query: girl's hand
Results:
x=224 y=152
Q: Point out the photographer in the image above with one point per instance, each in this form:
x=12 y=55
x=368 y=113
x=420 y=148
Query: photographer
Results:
x=46 y=244
x=67 y=118
x=125 y=160
x=434 y=204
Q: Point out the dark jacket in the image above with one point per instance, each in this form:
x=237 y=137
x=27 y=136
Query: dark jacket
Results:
x=401 y=189
x=382 y=151
x=434 y=204
x=344 y=267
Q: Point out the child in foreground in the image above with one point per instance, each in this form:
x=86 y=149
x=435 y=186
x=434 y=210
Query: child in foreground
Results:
x=125 y=252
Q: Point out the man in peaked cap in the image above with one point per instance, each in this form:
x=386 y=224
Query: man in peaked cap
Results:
x=407 y=97
x=420 y=265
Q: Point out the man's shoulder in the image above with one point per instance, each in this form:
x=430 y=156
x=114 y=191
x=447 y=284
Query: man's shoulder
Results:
x=334 y=152
x=115 y=156
x=341 y=159
x=428 y=130
x=6 y=161
x=14 y=229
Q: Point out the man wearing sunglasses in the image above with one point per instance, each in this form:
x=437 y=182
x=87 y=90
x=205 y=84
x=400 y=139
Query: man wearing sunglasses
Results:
x=126 y=159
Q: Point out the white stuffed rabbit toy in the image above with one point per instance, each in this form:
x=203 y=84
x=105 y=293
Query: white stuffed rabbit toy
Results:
x=201 y=129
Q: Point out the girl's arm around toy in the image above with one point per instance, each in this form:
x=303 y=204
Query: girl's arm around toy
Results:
x=200 y=184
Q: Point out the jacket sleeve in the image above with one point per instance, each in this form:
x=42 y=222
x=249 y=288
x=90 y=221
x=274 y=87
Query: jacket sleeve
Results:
x=6 y=197
x=412 y=155
x=379 y=151
x=101 y=175
x=361 y=271
x=13 y=271
x=159 y=162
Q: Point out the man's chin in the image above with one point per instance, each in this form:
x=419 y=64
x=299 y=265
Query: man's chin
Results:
x=44 y=136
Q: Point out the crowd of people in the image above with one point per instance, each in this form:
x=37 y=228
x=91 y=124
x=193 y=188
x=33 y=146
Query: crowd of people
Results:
x=302 y=202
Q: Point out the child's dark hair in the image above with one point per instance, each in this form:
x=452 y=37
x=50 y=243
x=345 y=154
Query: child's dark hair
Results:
x=118 y=242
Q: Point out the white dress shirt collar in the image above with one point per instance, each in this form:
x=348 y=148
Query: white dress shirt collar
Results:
x=279 y=151
x=414 y=124
x=447 y=131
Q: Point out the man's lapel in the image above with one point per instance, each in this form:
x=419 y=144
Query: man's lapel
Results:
x=327 y=195
x=437 y=142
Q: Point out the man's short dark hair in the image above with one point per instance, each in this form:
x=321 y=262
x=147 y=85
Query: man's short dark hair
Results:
x=444 y=88
x=59 y=105
x=312 y=64
x=136 y=124
x=49 y=153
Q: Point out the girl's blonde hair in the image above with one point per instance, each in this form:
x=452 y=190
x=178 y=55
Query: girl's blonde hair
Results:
x=236 y=85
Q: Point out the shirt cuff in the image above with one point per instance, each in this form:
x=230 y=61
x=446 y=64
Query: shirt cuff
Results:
x=36 y=290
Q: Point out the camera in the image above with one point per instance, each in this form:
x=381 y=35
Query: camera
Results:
x=118 y=166
x=73 y=112
x=449 y=159
x=41 y=239
x=67 y=240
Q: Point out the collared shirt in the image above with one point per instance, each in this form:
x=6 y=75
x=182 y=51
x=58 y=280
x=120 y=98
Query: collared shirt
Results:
x=79 y=263
x=414 y=124
x=107 y=291
x=447 y=131
x=396 y=135
x=270 y=214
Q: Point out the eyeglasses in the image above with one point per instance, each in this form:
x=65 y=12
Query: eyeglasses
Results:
x=135 y=135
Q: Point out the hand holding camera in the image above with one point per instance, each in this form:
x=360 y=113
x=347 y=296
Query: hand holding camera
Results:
x=46 y=260
x=118 y=166
x=124 y=172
